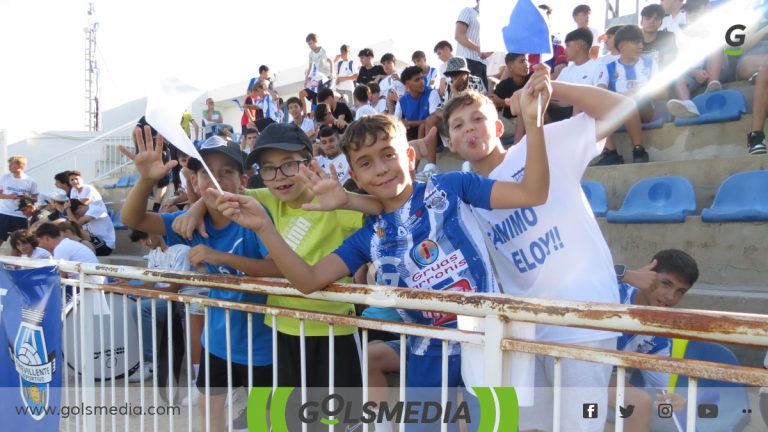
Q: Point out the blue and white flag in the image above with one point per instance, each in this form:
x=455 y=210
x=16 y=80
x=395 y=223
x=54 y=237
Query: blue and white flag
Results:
x=31 y=356
x=516 y=27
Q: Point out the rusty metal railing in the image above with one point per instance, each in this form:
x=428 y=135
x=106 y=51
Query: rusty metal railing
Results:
x=495 y=340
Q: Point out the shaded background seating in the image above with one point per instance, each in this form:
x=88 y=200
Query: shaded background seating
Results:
x=656 y=200
x=715 y=107
x=742 y=197
x=597 y=196
x=122 y=182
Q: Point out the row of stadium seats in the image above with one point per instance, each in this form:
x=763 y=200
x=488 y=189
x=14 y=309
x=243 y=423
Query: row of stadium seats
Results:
x=669 y=199
x=125 y=181
x=715 y=107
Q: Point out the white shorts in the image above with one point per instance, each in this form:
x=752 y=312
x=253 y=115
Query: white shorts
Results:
x=582 y=383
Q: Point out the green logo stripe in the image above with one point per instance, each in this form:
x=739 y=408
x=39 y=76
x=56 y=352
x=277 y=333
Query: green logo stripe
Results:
x=279 y=402
x=487 y=409
x=509 y=409
x=257 y=408
x=734 y=52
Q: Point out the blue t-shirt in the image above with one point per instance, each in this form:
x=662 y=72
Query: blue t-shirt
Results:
x=416 y=109
x=431 y=242
x=233 y=239
x=644 y=344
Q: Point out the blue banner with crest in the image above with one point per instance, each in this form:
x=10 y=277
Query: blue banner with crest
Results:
x=31 y=353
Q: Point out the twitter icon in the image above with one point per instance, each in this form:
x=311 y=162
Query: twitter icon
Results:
x=626 y=411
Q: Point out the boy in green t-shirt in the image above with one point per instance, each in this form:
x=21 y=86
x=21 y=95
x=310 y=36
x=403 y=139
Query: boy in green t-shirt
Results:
x=279 y=152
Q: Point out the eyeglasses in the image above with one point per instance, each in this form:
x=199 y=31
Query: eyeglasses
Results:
x=289 y=169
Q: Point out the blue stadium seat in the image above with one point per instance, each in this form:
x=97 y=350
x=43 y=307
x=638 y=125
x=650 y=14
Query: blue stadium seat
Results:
x=742 y=197
x=116 y=221
x=730 y=398
x=121 y=182
x=132 y=180
x=597 y=196
x=716 y=107
x=656 y=200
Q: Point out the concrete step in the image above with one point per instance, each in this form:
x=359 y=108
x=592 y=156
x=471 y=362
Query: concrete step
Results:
x=705 y=174
x=728 y=254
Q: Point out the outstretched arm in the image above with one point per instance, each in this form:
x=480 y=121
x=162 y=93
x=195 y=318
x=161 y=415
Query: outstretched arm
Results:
x=331 y=195
x=249 y=213
x=608 y=108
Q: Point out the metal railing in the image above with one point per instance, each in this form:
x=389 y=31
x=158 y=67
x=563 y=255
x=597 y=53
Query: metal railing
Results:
x=97 y=159
x=494 y=310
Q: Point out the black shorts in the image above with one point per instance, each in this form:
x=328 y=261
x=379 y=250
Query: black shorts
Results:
x=9 y=224
x=346 y=369
x=262 y=375
x=101 y=248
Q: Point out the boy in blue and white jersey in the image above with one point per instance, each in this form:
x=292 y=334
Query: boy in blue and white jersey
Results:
x=662 y=283
x=228 y=249
x=426 y=236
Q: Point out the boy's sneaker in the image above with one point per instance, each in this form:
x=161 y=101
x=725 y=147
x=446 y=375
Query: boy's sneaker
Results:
x=713 y=86
x=609 y=157
x=136 y=376
x=682 y=108
x=639 y=155
x=429 y=170
x=756 y=142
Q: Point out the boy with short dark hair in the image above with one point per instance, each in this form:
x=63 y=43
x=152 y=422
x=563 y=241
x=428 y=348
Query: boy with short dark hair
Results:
x=581 y=15
x=346 y=73
x=628 y=75
x=425 y=237
x=369 y=73
x=229 y=249
x=330 y=145
x=444 y=51
x=662 y=283
x=362 y=96
x=419 y=58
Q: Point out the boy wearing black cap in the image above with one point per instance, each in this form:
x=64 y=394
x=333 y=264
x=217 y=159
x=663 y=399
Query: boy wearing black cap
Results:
x=280 y=150
x=229 y=249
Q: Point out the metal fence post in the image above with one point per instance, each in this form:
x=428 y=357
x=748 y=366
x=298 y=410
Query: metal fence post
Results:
x=86 y=352
x=493 y=355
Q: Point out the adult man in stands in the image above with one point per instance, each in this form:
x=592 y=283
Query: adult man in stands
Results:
x=468 y=36
x=210 y=116
x=662 y=43
x=342 y=115
x=444 y=51
x=581 y=18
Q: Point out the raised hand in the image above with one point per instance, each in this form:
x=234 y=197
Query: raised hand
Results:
x=149 y=158
x=329 y=191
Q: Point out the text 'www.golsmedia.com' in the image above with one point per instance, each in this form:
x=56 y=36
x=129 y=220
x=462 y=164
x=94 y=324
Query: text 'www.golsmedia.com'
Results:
x=95 y=410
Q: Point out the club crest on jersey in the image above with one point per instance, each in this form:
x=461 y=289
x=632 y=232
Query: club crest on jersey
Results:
x=425 y=253
x=436 y=200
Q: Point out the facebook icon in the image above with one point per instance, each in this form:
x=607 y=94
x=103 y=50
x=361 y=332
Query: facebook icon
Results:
x=589 y=411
